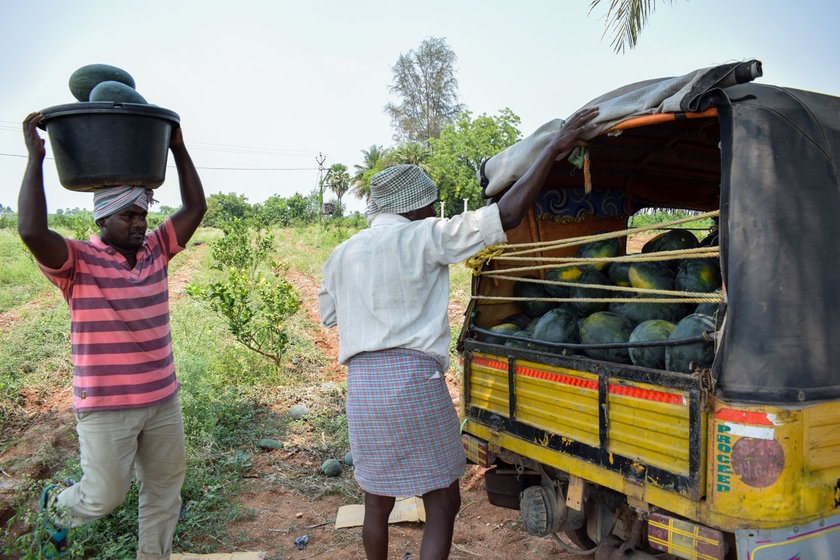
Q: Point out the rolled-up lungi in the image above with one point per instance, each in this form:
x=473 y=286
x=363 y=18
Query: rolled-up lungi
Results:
x=404 y=431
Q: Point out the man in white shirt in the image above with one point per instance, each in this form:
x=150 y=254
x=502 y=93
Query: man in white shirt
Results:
x=387 y=290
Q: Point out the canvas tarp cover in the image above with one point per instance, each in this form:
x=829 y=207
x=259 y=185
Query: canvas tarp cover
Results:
x=664 y=95
x=780 y=244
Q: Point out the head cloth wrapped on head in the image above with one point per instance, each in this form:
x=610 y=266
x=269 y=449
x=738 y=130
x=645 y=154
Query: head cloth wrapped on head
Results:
x=111 y=200
x=399 y=189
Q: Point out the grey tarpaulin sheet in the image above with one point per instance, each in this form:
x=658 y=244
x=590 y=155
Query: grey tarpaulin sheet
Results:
x=664 y=95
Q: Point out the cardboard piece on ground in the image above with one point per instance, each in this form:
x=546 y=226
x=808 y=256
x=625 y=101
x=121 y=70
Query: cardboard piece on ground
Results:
x=405 y=509
x=223 y=556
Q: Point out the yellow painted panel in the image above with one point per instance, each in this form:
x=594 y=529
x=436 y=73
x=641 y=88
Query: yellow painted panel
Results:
x=580 y=427
x=822 y=439
x=558 y=407
x=665 y=452
x=488 y=389
x=548 y=391
x=653 y=432
x=661 y=421
x=554 y=395
x=487 y=400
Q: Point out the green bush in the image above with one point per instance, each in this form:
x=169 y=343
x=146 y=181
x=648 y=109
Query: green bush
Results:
x=252 y=297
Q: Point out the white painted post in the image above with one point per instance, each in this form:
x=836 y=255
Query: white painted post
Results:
x=465 y=204
x=442 y=205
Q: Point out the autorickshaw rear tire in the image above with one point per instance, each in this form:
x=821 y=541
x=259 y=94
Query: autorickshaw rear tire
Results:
x=579 y=538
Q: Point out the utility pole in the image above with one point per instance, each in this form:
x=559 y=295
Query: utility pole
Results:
x=320 y=161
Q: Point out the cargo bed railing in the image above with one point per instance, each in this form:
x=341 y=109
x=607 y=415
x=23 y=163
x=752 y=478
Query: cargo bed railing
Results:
x=648 y=425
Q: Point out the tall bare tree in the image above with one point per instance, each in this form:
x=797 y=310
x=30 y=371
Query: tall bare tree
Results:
x=424 y=82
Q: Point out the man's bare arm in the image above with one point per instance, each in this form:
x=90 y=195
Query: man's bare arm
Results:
x=48 y=247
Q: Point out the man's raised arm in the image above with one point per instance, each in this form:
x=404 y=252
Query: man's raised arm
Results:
x=47 y=246
x=515 y=202
x=193 y=204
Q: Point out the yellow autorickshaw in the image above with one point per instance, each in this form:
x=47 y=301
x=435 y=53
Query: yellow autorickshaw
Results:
x=735 y=458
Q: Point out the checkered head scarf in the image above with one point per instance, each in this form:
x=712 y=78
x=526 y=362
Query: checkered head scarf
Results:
x=399 y=189
x=111 y=200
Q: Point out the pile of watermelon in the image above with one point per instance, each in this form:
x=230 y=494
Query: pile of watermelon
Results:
x=102 y=82
x=608 y=322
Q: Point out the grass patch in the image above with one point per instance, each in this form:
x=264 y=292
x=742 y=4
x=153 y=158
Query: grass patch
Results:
x=20 y=279
x=306 y=248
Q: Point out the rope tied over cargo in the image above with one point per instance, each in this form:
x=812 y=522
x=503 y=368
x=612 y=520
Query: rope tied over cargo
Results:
x=539 y=246
x=699 y=253
x=527 y=252
x=483 y=257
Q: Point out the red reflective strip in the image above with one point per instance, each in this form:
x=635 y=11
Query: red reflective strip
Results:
x=646 y=394
x=558 y=378
x=744 y=417
x=588 y=384
x=492 y=364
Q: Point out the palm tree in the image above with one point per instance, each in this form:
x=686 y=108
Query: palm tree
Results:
x=414 y=153
x=372 y=162
x=370 y=159
x=338 y=180
x=626 y=18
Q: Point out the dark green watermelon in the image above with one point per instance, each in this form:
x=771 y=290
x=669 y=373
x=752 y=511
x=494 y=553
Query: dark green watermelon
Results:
x=83 y=80
x=558 y=325
x=651 y=275
x=116 y=92
x=532 y=290
x=606 y=248
x=590 y=277
x=639 y=312
x=699 y=354
x=562 y=274
x=618 y=273
x=671 y=240
x=604 y=328
x=615 y=306
x=503 y=328
x=698 y=275
x=648 y=331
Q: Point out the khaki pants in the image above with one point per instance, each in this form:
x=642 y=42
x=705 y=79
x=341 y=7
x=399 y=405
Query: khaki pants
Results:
x=151 y=439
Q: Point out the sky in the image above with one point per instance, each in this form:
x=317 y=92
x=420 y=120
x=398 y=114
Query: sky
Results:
x=263 y=87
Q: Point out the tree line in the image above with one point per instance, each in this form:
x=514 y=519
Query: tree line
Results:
x=433 y=130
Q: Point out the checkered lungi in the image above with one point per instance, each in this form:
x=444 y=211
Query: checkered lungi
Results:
x=404 y=431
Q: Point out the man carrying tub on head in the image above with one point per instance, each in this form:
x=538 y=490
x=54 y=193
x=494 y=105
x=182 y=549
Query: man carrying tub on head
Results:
x=387 y=289
x=124 y=387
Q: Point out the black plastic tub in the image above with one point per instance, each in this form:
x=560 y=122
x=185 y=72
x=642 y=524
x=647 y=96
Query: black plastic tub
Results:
x=109 y=144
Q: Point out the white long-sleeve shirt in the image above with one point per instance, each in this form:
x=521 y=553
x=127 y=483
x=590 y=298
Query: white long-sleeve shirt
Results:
x=388 y=285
